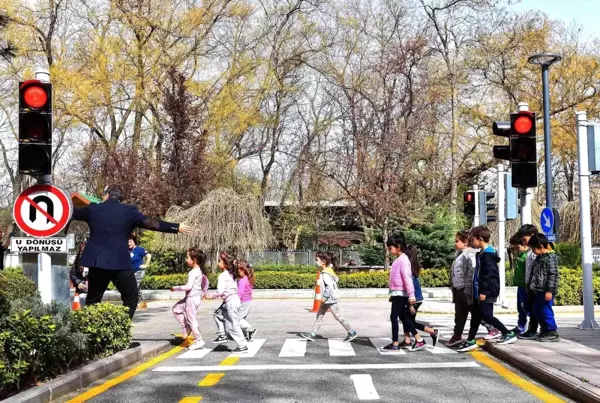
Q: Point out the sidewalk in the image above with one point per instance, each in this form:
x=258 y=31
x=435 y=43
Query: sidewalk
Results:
x=571 y=366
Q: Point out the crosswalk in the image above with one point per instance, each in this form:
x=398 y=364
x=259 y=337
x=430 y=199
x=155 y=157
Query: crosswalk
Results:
x=296 y=347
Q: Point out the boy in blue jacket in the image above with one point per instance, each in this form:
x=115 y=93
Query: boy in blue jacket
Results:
x=485 y=289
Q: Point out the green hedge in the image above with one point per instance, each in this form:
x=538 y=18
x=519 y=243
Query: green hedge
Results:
x=40 y=341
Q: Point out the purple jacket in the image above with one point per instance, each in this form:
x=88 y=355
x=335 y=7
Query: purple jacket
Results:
x=401 y=276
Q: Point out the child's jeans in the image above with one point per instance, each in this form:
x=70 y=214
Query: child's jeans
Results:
x=530 y=307
x=522 y=306
x=544 y=313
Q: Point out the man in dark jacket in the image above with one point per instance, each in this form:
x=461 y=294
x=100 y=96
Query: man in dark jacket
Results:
x=106 y=252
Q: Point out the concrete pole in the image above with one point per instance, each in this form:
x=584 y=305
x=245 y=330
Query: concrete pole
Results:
x=500 y=204
x=585 y=223
x=476 y=220
x=525 y=195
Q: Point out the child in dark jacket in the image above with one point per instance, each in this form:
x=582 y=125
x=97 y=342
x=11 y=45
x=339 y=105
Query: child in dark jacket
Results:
x=485 y=289
x=544 y=283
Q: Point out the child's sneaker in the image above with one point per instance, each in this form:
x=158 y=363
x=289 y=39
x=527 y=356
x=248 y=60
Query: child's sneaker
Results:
x=220 y=339
x=493 y=334
x=528 y=335
x=548 y=337
x=251 y=334
x=467 y=345
x=197 y=344
x=351 y=335
x=240 y=350
x=418 y=345
x=308 y=336
x=434 y=337
x=518 y=330
x=507 y=338
x=454 y=341
x=404 y=344
x=391 y=347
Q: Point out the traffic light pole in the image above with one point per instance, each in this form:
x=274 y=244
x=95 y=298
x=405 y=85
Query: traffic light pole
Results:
x=585 y=224
x=547 y=139
x=500 y=203
x=476 y=218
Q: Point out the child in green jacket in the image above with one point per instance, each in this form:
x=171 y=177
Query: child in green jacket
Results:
x=516 y=241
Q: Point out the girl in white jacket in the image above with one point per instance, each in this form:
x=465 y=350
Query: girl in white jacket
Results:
x=229 y=311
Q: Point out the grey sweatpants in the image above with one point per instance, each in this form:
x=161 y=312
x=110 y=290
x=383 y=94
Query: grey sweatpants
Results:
x=244 y=311
x=335 y=311
x=227 y=319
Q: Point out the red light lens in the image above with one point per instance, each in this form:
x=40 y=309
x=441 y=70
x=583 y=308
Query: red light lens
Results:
x=35 y=96
x=469 y=197
x=523 y=124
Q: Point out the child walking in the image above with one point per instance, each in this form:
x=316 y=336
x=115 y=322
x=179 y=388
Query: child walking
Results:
x=230 y=310
x=485 y=290
x=330 y=299
x=526 y=232
x=245 y=283
x=402 y=296
x=544 y=283
x=415 y=266
x=186 y=310
x=519 y=277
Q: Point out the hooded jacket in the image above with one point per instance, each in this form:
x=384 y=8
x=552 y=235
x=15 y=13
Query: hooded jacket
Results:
x=330 y=288
x=462 y=266
x=545 y=274
x=483 y=277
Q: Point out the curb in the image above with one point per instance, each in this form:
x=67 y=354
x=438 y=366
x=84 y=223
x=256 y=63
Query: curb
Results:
x=88 y=374
x=553 y=377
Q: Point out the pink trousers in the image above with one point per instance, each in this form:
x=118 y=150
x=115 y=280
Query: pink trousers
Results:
x=185 y=312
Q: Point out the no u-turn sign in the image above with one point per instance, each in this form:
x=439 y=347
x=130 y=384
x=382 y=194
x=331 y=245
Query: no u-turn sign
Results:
x=42 y=210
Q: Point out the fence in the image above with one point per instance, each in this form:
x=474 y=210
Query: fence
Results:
x=305 y=257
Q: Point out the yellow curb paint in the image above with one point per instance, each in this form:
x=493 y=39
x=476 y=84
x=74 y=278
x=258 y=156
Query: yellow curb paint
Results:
x=191 y=399
x=510 y=376
x=127 y=375
x=230 y=361
x=211 y=379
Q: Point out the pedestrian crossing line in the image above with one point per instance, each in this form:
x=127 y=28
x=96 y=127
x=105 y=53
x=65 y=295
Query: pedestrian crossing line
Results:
x=191 y=399
x=340 y=348
x=293 y=348
x=439 y=349
x=211 y=379
x=379 y=342
x=295 y=367
x=365 y=390
x=195 y=354
x=253 y=348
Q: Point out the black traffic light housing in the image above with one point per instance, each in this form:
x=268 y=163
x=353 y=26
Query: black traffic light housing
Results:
x=469 y=203
x=501 y=129
x=35 y=128
x=523 y=150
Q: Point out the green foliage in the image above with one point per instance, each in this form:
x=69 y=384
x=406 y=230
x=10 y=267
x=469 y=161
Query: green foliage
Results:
x=292 y=268
x=167 y=262
x=14 y=285
x=434 y=239
x=568 y=255
x=107 y=326
x=283 y=280
x=570 y=287
x=372 y=255
x=435 y=278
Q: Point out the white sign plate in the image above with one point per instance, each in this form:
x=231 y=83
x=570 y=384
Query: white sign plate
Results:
x=39 y=245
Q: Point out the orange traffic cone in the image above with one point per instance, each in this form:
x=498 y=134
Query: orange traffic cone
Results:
x=76 y=304
x=317 y=301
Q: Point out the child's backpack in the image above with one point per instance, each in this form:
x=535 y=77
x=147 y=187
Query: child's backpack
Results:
x=330 y=288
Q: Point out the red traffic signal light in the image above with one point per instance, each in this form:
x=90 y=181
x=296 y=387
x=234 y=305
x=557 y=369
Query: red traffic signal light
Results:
x=469 y=203
x=34 y=94
x=523 y=123
x=35 y=128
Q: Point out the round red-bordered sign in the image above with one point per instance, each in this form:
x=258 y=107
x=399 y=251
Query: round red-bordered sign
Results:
x=42 y=210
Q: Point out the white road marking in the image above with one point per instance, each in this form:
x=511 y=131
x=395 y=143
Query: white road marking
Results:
x=253 y=348
x=384 y=341
x=295 y=367
x=340 y=348
x=365 y=390
x=293 y=348
x=441 y=349
x=195 y=354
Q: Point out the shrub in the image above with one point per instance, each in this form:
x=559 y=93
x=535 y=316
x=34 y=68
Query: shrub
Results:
x=570 y=287
x=568 y=255
x=435 y=278
x=14 y=285
x=372 y=255
x=107 y=326
x=293 y=268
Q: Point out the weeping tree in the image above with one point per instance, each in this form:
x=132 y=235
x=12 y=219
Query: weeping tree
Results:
x=569 y=220
x=225 y=220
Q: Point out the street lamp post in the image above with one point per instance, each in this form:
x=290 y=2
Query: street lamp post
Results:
x=546 y=60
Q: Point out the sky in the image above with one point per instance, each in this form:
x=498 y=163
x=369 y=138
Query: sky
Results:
x=580 y=12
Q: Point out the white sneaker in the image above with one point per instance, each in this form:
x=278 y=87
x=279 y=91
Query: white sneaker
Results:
x=197 y=344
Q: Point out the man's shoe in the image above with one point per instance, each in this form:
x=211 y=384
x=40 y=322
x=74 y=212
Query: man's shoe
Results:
x=221 y=339
x=454 y=341
x=528 y=335
x=549 y=337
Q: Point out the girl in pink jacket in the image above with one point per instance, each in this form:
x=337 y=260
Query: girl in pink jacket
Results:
x=185 y=311
x=402 y=295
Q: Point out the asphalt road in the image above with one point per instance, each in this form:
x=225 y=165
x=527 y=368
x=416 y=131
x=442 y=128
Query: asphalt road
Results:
x=280 y=368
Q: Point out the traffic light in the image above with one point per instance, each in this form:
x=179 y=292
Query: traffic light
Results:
x=35 y=128
x=469 y=203
x=502 y=129
x=485 y=206
x=511 y=203
x=523 y=150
